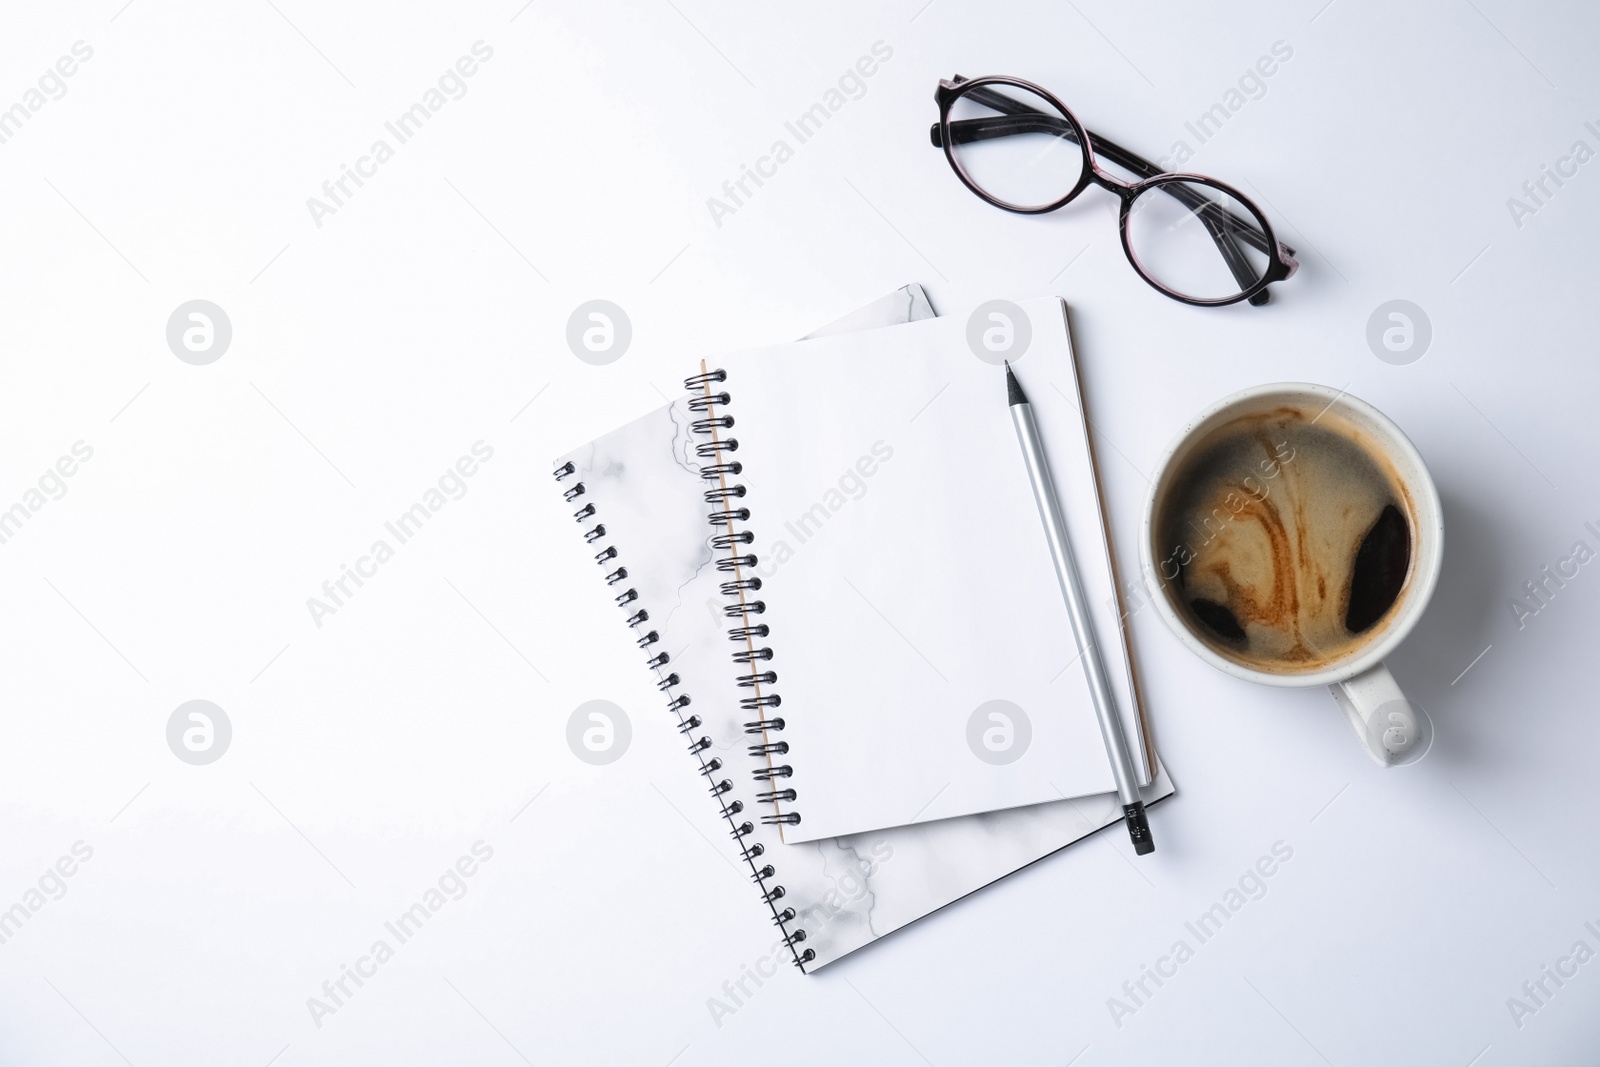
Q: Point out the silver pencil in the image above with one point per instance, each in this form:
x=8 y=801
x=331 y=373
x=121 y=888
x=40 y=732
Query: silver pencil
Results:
x=1094 y=668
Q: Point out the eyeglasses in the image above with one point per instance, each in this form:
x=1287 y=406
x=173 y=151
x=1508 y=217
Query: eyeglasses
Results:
x=1191 y=237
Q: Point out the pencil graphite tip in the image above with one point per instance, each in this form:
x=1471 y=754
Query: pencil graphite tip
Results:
x=1014 y=393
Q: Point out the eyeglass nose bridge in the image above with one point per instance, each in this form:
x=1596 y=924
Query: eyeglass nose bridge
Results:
x=1125 y=190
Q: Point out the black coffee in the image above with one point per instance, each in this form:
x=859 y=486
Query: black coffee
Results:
x=1286 y=539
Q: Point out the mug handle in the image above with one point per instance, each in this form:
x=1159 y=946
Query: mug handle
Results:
x=1380 y=713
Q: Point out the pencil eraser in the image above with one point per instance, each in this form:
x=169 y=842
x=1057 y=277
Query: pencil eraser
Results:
x=1139 y=829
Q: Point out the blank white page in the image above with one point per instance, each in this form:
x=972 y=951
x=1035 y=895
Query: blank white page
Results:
x=906 y=577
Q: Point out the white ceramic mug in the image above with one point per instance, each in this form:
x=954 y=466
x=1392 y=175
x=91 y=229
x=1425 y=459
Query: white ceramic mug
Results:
x=1385 y=721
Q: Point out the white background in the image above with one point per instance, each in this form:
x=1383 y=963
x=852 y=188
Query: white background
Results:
x=429 y=313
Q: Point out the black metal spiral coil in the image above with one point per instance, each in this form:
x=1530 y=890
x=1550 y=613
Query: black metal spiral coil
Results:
x=707 y=401
x=707 y=449
x=726 y=519
x=727 y=492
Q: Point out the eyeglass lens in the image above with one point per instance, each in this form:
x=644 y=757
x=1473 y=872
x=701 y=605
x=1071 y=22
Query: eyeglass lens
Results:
x=1028 y=160
x=1196 y=240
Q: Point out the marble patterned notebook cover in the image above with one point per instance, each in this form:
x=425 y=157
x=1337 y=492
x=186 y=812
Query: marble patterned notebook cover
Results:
x=829 y=897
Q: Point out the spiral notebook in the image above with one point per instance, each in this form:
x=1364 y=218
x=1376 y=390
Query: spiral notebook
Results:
x=905 y=652
x=643 y=516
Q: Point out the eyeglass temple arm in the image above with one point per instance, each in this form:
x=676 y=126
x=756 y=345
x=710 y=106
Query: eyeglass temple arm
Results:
x=1219 y=222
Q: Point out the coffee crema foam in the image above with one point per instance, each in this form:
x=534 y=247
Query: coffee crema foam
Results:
x=1287 y=539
